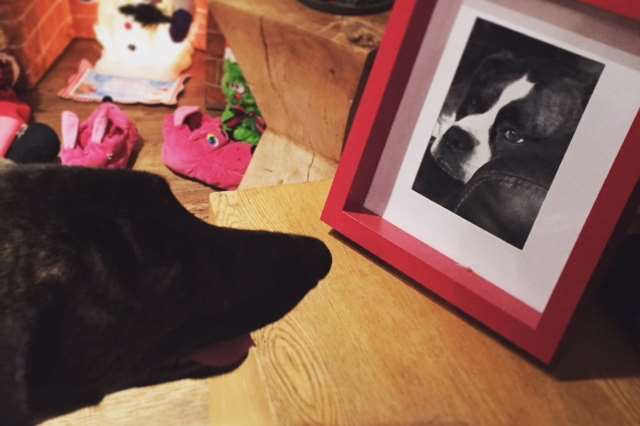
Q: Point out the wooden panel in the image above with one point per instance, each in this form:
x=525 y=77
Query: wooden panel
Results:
x=276 y=161
x=369 y=347
x=303 y=66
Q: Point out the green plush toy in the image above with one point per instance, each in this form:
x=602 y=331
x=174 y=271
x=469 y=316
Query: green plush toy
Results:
x=241 y=117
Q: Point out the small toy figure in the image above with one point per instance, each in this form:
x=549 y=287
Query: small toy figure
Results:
x=144 y=38
x=21 y=140
x=242 y=118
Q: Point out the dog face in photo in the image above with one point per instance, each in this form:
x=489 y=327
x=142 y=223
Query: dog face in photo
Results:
x=509 y=117
x=508 y=106
x=108 y=283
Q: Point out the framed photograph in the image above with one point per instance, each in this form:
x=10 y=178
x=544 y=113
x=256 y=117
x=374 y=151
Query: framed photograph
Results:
x=494 y=155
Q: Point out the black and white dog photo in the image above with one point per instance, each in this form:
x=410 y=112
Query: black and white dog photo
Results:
x=506 y=123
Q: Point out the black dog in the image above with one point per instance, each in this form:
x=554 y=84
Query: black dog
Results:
x=107 y=283
x=512 y=117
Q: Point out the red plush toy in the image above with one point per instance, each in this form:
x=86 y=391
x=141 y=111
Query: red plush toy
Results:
x=196 y=146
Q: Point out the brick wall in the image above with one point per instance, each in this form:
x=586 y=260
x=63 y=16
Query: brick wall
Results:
x=201 y=18
x=214 y=63
x=84 y=15
x=38 y=32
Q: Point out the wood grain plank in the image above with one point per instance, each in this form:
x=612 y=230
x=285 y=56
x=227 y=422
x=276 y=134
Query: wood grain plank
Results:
x=236 y=401
x=177 y=403
x=370 y=347
x=277 y=161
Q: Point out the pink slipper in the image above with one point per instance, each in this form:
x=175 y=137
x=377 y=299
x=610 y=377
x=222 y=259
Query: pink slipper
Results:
x=196 y=146
x=107 y=139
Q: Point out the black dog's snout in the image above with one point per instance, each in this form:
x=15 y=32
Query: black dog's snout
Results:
x=308 y=260
x=458 y=139
x=319 y=258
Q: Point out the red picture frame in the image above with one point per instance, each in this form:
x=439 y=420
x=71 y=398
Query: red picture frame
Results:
x=628 y=8
x=538 y=333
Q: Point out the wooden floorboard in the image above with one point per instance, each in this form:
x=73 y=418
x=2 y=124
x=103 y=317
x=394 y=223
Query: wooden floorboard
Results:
x=48 y=107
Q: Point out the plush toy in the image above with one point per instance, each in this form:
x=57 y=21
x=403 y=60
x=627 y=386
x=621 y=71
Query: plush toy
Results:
x=144 y=38
x=107 y=139
x=196 y=146
x=21 y=140
x=242 y=118
x=149 y=14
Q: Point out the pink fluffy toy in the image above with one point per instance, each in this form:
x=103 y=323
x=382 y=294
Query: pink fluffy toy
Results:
x=196 y=146
x=107 y=139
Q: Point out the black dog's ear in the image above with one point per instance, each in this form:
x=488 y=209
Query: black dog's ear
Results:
x=14 y=408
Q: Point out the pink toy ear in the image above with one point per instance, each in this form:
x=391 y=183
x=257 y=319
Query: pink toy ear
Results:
x=70 y=125
x=182 y=113
x=99 y=127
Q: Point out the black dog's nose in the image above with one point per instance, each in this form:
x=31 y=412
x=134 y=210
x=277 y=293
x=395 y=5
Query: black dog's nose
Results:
x=307 y=260
x=458 y=139
x=319 y=259
x=279 y=262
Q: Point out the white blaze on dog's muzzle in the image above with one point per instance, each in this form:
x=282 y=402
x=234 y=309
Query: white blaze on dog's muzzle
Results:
x=478 y=126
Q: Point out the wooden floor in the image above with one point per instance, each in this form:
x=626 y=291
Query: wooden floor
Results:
x=48 y=106
x=369 y=346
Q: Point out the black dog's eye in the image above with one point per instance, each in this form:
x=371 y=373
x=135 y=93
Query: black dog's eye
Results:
x=513 y=136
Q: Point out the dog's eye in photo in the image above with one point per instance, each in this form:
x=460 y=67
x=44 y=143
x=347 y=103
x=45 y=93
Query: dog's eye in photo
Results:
x=512 y=135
